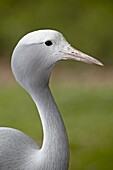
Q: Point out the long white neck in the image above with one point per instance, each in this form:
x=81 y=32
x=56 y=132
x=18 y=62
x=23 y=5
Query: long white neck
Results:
x=55 y=147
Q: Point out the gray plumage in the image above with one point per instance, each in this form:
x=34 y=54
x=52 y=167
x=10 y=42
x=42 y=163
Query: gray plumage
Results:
x=32 y=62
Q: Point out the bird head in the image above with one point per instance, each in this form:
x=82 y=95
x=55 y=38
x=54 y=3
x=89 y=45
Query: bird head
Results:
x=38 y=52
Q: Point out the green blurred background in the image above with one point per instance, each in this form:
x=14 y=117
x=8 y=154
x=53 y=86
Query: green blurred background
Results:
x=84 y=93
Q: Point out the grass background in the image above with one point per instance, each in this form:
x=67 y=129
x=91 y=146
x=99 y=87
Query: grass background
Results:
x=83 y=93
x=86 y=105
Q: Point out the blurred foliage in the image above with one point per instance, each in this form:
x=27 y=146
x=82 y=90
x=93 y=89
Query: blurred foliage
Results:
x=88 y=115
x=88 y=25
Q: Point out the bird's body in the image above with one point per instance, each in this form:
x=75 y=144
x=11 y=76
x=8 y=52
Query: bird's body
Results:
x=32 y=62
x=17 y=150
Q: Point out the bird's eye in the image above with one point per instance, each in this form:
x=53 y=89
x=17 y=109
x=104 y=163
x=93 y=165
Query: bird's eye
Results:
x=48 y=43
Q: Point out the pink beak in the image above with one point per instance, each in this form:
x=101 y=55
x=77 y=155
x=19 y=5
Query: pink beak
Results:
x=72 y=53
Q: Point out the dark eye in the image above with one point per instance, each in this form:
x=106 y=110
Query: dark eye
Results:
x=48 y=43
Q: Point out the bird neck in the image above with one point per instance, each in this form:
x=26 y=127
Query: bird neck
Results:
x=55 y=147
